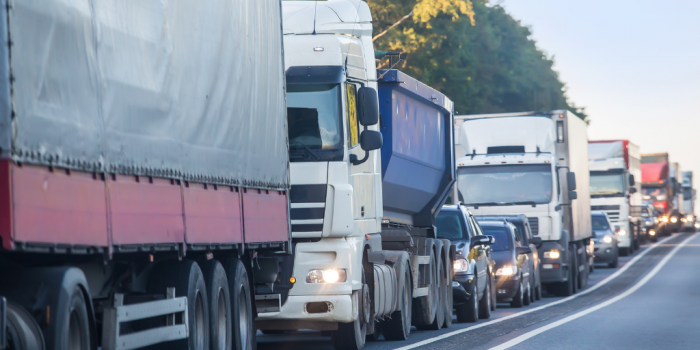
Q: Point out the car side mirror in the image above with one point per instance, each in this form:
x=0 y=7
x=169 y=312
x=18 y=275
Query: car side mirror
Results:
x=523 y=250
x=481 y=240
x=536 y=240
x=573 y=195
x=369 y=106
x=633 y=190
x=631 y=178
x=571 y=180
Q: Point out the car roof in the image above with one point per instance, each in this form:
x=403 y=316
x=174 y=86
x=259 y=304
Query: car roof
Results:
x=511 y=218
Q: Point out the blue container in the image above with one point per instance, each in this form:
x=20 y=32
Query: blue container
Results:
x=418 y=166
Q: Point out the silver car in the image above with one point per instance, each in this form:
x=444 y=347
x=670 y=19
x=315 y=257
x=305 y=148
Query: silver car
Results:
x=605 y=241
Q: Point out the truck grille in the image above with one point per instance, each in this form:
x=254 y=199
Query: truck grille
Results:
x=613 y=211
x=308 y=206
x=534 y=225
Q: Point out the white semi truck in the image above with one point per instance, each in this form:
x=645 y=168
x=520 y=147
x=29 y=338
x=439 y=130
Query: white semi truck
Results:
x=616 y=188
x=532 y=163
x=690 y=220
x=365 y=192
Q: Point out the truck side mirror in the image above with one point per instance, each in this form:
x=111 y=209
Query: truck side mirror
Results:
x=571 y=180
x=371 y=140
x=573 y=195
x=631 y=180
x=369 y=106
x=633 y=190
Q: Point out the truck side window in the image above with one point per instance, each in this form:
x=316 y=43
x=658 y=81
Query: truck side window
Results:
x=353 y=133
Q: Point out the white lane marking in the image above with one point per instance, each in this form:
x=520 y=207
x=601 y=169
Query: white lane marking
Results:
x=505 y=318
x=643 y=281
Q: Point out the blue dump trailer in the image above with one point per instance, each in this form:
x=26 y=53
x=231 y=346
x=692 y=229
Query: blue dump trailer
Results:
x=418 y=166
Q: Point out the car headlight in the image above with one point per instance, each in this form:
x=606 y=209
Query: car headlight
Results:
x=689 y=218
x=656 y=219
x=652 y=232
x=552 y=254
x=648 y=223
x=664 y=219
x=683 y=220
x=461 y=265
x=697 y=225
x=621 y=232
x=607 y=239
x=326 y=276
x=506 y=271
x=674 y=220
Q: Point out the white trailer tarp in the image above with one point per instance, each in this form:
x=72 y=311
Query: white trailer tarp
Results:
x=175 y=88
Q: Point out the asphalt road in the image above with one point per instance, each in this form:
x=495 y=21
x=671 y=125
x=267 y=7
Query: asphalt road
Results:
x=651 y=304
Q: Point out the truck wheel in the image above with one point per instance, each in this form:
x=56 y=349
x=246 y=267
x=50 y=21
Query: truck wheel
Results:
x=518 y=298
x=188 y=280
x=351 y=336
x=583 y=274
x=469 y=311
x=219 y=305
x=448 y=301
x=22 y=331
x=241 y=305
x=574 y=270
x=440 y=312
x=426 y=306
x=485 y=302
x=399 y=326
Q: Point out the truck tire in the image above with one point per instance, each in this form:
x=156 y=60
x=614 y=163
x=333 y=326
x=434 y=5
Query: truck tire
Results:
x=426 y=306
x=220 y=336
x=188 y=280
x=469 y=311
x=519 y=296
x=583 y=273
x=448 y=301
x=574 y=269
x=351 y=336
x=399 y=326
x=440 y=308
x=485 y=302
x=566 y=288
x=241 y=305
x=22 y=330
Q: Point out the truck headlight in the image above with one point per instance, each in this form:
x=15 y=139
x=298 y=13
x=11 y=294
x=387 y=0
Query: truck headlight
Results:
x=552 y=254
x=697 y=225
x=689 y=218
x=326 y=276
x=674 y=220
x=607 y=239
x=621 y=232
x=506 y=271
x=461 y=265
x=664 y=219
x=652 y=232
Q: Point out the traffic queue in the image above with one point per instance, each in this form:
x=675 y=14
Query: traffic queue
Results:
x=537 y=206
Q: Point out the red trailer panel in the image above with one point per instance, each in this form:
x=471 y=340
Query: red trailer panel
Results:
x=6 y=204
x=58 y=207
x=265 y=216
x=212 y=214
x=145 y=210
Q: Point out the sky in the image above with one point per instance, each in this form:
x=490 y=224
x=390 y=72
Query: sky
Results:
x=634 y=65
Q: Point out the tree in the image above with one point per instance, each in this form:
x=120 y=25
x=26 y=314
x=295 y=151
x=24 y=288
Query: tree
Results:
x=476 y=54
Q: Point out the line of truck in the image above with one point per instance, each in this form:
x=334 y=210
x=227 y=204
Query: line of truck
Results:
x=183 y=174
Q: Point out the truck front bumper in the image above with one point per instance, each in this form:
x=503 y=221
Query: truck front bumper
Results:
x=296 y=313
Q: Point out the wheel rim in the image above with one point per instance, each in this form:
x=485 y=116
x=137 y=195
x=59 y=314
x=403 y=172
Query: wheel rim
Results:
x=75 y=336
x=199 y=322
x=221 y=321
x=243 y=318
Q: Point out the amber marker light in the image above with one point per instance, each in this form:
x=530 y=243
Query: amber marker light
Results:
x=293 y=280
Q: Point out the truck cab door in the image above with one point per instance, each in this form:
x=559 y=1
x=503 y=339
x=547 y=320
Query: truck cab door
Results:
x=361 y=177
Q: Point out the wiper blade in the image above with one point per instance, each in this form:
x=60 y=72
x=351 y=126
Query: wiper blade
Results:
x=525 y=203
x=499 y=204
x=307 y=148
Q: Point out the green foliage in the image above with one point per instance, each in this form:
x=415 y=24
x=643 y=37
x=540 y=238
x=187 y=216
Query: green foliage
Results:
x=478 y=55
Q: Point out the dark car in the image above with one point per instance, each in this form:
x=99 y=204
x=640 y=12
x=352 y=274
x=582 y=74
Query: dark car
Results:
x=524 y=232
x=473 y=282
x=650 y=222
x=606 y=250
x=512 y=268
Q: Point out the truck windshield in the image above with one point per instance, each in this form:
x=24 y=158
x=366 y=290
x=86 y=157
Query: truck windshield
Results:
x=607 y=185
x=501 y=237
x=505 y=184
x=654 y=194
x=450 y=225
x=315 y=124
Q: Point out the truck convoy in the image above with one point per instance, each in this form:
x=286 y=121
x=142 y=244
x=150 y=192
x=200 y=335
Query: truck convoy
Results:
x=616 y=190
x=533 y=163
x=690 y=220
x=659 y=187
x=144 y=172
x=365 y=189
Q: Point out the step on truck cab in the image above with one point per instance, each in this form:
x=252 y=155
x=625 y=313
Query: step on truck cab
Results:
x=532 y=163
x=144 y=172
x=365 y=190
x=616 y=188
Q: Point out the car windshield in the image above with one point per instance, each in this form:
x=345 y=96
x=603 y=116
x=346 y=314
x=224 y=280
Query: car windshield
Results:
x=450 y=225
x=505 y=184
x=654 y=194
x=314 y=115
x=607 y=185
x=599 y=222
x=500 y=235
